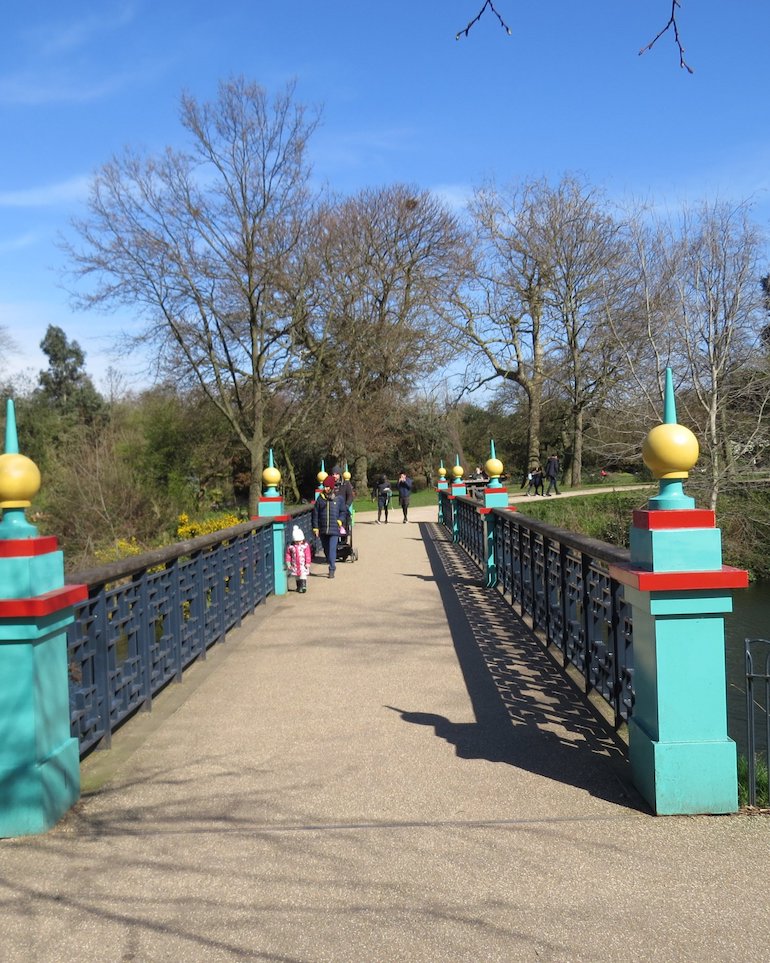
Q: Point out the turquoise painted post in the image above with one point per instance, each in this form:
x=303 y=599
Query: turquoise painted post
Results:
x=458 y=488
x=320 y=479
x=682 y=760
x=441 y=486
x=495 y=496
x=39 y=759
x=271 y=506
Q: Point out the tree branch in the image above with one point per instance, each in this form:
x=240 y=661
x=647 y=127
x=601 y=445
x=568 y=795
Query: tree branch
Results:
x=471 y=23
x=671 y=25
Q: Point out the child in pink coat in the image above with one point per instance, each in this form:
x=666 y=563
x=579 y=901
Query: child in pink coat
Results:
x=298 y=558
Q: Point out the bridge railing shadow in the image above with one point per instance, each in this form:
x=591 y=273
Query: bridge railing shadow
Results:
x=529 y=714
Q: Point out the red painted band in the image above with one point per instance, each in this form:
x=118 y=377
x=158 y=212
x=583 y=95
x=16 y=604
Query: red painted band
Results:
x=271 y=498
x=657 y=519
x=25 y=547
x=724 y=578
x=46 y=604
x=483 y=511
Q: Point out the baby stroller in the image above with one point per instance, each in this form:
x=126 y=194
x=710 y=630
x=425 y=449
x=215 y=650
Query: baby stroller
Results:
x=345 y=550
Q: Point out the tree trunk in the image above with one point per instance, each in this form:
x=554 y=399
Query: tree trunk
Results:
x=360 y=478
x=576 y=475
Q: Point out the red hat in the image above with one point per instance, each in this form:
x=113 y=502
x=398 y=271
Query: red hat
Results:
x=329 y=481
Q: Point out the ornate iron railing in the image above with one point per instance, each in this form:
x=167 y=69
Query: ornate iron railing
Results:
x=757 y=658
x=148 y=617
x=561 y=582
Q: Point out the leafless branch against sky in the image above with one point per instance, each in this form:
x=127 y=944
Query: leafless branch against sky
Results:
x=670 y=25
x=488 y=5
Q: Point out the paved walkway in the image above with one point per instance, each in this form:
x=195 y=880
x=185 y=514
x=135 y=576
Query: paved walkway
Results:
x=384 y=769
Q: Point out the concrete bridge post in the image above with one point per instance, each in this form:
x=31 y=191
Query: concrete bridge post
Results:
x=681 y=757
x=441 y=486
x=495 y=496
x=458 y=488
x=271 y=506
x=39 y=759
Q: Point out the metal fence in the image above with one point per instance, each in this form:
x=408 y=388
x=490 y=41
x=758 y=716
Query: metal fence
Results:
x=757 y=656
x=561 y=582
x=148 y=617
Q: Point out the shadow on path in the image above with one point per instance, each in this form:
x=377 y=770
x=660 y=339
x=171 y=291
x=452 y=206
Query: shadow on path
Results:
x=528 y=712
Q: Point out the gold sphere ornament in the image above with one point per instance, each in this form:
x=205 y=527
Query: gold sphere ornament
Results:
x=321 y=476
x=442 y=472
x=493 y=467
x=271 y=477
x=457 y=472
x=670 y=451
x=19 y=481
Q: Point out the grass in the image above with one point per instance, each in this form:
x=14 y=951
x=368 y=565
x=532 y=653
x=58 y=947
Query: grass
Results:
x=419 y=499
x=763 y=795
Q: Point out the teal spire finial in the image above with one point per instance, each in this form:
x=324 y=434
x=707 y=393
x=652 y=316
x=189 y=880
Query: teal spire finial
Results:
x=492 y=447
x=669 y=402
x=323 y=467
x=457 y=460
x=441 y=464
x=270 y=462
x=11 y=437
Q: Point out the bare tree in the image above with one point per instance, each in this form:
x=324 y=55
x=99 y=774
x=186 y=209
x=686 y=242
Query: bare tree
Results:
x=715 y=333
x=501 y=316
x=210 y=245
x=390 y=258
x=587 y=285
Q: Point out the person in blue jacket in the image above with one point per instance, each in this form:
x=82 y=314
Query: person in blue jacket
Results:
x=327 y=520
x=404 y=493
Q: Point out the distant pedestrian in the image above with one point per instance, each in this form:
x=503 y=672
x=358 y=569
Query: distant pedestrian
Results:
x=327 y=520
x=298 y=558
x=552 y=474
x=404 y=493
x=382 y=493
x=537 y=480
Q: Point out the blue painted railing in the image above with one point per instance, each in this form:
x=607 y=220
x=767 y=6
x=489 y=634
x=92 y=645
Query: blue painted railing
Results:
x=148 y=617
x=560 y=581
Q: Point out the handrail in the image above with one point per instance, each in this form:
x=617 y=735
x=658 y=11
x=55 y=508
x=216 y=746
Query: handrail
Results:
x=150 y=616
x=560 y=581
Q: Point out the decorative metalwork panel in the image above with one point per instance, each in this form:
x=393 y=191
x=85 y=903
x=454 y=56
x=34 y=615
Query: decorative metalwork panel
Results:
x=561 y=582
x=148 y=618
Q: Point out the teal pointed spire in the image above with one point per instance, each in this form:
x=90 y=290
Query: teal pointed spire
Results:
x=11 y=437
x=270 y=462
x=669 y=402
x=492 y=447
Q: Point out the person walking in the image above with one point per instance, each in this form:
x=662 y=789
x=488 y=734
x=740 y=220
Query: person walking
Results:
x=298 y=558
x=382 y=492
x=404 y=493
x=537 y=480
x=327 y=520
x=552 y=473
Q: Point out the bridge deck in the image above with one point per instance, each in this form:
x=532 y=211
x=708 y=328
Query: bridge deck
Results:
x=386 y=768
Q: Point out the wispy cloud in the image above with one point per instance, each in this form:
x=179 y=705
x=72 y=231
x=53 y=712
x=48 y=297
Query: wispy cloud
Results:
x=55 y=38
x=455 y=196
x=19 y=243
x=47 y=195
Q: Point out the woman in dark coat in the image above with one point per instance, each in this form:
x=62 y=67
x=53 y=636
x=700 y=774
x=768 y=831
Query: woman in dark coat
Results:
x=404 y=493
x=382 y=493
x=327 y=519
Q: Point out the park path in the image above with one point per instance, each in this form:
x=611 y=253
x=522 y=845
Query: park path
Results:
x=388 y=768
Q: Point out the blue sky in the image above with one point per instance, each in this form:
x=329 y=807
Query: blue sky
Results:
x=401 y=100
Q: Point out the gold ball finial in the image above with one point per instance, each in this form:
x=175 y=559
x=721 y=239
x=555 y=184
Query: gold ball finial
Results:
x=321 y=476
x=19 y=480
x=493 y=467
x=271 y=477
x=457 y=472
x=670 y=451
x=442 y=472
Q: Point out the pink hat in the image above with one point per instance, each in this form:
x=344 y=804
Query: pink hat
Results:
x=330 y=481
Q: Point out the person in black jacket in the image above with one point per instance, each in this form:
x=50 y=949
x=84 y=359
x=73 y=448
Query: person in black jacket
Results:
x=382 y=493
x=327 y=520
x=404 y=493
